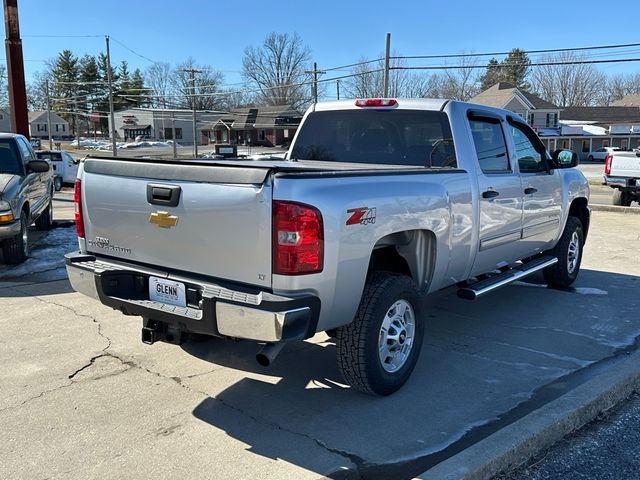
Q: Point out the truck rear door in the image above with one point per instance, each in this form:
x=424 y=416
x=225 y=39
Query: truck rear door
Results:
x=202 y=219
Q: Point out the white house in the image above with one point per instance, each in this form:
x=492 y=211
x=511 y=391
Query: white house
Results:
x=38 y=126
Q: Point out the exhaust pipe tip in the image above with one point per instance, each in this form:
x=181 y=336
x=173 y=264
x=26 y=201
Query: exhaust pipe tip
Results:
x=268 y=353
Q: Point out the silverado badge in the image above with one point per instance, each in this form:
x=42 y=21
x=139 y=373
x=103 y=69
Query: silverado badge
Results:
x=163 y=219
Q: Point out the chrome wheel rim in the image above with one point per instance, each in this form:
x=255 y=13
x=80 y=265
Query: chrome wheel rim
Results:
x=25 y=238
x=397 y=333
x=573 y=253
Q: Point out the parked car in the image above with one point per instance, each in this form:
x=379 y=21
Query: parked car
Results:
x=65 y=167
x=35 y=142
x=26 y=194
x=601 y=153
x=377 y=203
x=622 y=173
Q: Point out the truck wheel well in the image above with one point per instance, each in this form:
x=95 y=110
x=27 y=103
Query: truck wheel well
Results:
x=410 y=253
x=580 y=210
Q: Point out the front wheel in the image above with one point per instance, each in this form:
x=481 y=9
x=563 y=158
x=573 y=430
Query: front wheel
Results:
x=590 y=158
x=57 y=184
x=568 y=251
x=378 y=350
x=16 y=249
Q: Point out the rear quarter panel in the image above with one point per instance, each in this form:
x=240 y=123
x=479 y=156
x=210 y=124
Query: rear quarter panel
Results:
x=439 y=203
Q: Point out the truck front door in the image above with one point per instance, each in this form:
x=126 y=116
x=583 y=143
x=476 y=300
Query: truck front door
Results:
x=500 y=201
x=542 y=191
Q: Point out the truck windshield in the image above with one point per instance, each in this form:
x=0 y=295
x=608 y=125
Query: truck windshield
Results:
x=9 y=161
x=386 y=137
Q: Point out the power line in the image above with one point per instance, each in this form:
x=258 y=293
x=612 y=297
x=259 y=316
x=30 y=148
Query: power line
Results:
x=132 y=51
x=496 y=54
x=536 y=64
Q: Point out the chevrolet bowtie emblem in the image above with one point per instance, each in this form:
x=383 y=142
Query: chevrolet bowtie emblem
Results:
x=163 y=219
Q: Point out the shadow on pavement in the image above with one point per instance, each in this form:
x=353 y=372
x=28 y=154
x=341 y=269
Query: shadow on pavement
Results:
x=484 y=364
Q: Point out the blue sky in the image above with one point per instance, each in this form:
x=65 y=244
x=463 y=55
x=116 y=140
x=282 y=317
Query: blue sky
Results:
x=338 y=32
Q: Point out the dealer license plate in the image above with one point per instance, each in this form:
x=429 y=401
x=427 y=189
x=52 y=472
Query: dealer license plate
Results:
x=167 y=291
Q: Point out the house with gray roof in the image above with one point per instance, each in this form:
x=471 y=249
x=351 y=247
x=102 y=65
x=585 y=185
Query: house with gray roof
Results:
x=5 y=121
x=266 y=126
x=538 y=113
x=627 y=101
x=38 y=125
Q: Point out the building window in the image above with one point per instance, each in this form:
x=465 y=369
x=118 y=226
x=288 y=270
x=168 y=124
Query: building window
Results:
x=585 y=146
x=605 y=143
x=178 y=133
x=261 y=135
x=286 y=133
x=63 y=127
x=530 y=118
x=57 y=125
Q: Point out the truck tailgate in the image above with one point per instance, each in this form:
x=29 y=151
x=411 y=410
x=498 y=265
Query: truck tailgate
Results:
x=625 y=165
x=219 y=226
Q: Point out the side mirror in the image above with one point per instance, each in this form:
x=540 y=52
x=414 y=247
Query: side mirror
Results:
x=565 y=159
x=38 y=166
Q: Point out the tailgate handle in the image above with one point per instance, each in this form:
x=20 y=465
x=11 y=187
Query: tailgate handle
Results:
x=160 y=194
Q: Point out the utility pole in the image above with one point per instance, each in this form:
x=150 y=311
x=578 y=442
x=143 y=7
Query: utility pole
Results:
x=112 y=129
x=15 y=70
x=386 y=66
x=75 y=104
x=314 y=85
x=46 y=93
x=192 y=72
x=338 y=89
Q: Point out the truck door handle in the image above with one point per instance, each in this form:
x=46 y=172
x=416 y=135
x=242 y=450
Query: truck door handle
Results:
x=159 y=194
x=490 y=194
x=530 y=190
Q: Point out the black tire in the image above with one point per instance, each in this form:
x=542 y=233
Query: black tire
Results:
x=621 y=198
x=357 y=343
x=57 y=184
x=45 y=220
x=564 y=273
x=590 y=158
x=16 y=250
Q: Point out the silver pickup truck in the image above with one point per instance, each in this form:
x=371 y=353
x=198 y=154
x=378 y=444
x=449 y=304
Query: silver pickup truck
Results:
x=377 y=203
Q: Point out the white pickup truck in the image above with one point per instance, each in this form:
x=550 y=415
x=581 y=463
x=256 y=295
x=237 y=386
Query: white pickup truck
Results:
x=622 y=173
x=377 y=203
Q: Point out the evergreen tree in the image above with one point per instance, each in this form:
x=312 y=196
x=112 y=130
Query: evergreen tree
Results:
x=102 y=102
x=90 y=86
x=515 y=68
x=65 y=73
x=492 y=75
x=138 y=88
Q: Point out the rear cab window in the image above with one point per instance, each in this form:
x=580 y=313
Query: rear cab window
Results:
x=387 y=137
x=491 y=145
x=52 y=156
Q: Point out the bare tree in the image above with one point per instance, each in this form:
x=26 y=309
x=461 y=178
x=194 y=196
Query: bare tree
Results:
x=570 y=84
x=617 y=86
x=207 y=85
x=36 y=91
x=158 y=78
x=367 y=79
x=277 y=69
x=461 y=81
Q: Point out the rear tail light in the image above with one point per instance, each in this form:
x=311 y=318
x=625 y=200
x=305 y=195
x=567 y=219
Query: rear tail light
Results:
x=77 y=201
x=298 y=239
x=376 y=102
x=607 y=164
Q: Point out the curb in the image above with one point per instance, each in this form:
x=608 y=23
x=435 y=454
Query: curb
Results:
x=612 y=208
x=522 y=440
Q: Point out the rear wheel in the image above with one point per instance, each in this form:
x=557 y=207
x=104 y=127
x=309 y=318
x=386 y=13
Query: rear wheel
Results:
x=16 y=249
x=621 y=198
x=590 y=158
x=378 y=350
x=568 y=251
x=45 y=220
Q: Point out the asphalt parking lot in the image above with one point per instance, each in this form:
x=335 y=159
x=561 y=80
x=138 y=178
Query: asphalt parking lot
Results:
x=81 y=396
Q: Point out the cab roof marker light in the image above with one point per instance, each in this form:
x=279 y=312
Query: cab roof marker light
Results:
x=376 y=102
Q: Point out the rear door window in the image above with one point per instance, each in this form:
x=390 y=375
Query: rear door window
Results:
x=388 y=137
x=491 y=147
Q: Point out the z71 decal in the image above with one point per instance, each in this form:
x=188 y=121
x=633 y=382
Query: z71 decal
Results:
x=361 y=216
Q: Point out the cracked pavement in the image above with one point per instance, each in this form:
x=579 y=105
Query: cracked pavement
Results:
x=81 y=396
